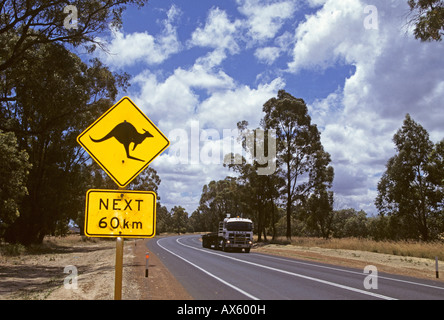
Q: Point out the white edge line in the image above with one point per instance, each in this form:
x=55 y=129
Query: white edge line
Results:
x=380 y=296
x=208 y=273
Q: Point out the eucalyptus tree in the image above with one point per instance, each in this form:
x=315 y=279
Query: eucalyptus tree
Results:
x=411 y=190
x=428 y=18
x=303 y=162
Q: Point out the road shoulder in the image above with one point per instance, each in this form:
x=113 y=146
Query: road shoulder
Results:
x=160 y=284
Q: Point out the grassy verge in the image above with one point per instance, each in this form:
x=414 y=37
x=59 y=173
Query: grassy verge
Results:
x=49 y=245
x=417 y=249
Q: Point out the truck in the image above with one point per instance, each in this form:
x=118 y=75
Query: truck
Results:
x=233 y=234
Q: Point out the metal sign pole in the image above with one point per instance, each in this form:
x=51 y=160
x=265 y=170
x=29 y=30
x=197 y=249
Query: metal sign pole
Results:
x=119 y=269
x=119 y=265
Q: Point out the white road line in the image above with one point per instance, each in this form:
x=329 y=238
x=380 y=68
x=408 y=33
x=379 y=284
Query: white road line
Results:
x=380 y=296
x=210 y=274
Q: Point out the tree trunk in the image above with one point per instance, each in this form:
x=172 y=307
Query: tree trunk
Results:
x=273 y=220
x=289 y=201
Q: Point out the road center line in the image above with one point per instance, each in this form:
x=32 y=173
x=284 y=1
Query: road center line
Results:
x=380 y=296
x=208 y=273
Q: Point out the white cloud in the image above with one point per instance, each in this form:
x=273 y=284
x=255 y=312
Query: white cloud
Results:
x=129 y=49
x=225 y=108
x=268 y=54
x=169 y=102
x=265 y=18
x=174 y=100
x=263 y=21
x=199 y=77
x=218 y=33
x=182 y=183
x=332 y=34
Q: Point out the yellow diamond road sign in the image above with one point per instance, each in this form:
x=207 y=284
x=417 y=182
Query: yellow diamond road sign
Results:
x=123 y=141
x=115 y=213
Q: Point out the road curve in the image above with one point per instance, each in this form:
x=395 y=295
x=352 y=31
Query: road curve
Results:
x=214 y=275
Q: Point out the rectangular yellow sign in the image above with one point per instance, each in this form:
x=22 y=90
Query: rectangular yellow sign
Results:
x=120 y=213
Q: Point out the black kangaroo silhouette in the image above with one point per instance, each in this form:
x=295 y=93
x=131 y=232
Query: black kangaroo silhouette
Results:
x=126 y=133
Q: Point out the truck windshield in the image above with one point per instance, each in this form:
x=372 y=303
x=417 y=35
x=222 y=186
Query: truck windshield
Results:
x=239 y=226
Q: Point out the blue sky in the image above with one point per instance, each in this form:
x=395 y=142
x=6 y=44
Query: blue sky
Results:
x=209 y=64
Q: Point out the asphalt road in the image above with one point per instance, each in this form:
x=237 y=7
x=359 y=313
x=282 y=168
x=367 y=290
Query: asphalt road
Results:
x=215 y=275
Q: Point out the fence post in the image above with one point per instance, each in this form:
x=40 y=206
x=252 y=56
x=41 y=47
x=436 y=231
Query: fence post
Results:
x=147 y=257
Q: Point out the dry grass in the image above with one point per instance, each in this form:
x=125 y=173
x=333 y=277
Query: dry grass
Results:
x=417 y=249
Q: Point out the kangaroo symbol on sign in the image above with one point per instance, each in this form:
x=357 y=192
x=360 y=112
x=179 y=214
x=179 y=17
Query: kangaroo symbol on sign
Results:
x=126 y=133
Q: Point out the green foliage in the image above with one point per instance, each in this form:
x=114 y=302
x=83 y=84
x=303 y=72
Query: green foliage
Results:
x=428 y=18
x=411 y=190
x=163 y=220
x=350 y=223
x=318 y=214
x=14 y=170
x=179 y=219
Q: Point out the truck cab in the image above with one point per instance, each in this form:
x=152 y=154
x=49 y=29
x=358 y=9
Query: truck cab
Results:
x=236 y=233
x=233 y=234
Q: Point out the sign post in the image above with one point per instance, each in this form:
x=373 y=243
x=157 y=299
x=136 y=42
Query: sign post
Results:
x=119 y=269
x=118 y=272
x=123 y=141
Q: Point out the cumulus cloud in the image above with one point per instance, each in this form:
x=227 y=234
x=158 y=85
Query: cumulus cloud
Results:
x=333 y=34
x=265 y=18
x=174 y=100
x=218 y=32
x=268 y=54
x=225 y=108
x=128 y=49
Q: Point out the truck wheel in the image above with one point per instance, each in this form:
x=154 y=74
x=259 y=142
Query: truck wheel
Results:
x=247 y=250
